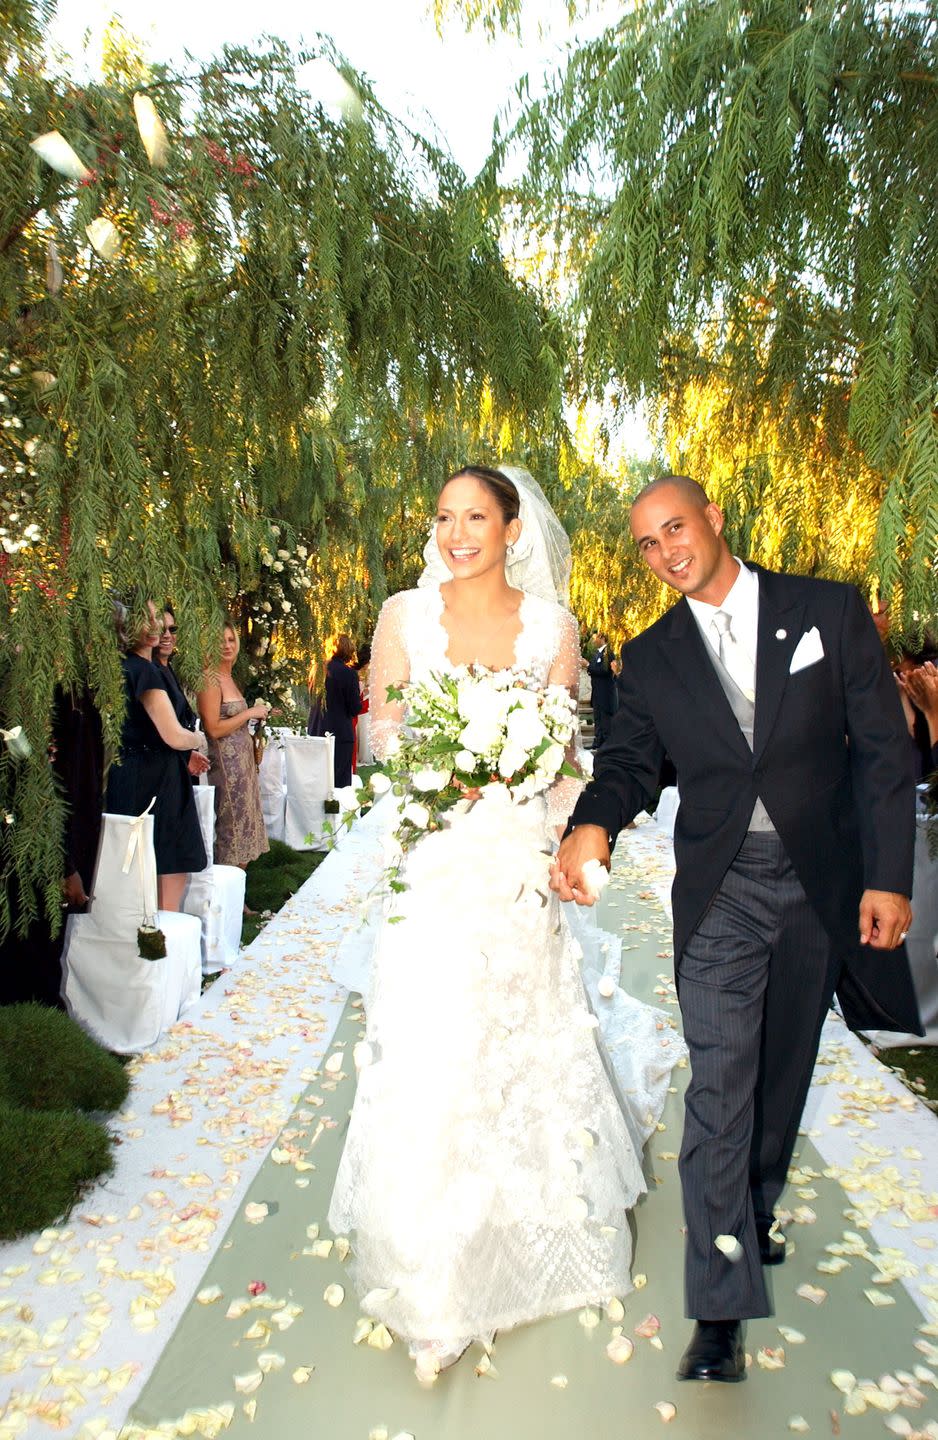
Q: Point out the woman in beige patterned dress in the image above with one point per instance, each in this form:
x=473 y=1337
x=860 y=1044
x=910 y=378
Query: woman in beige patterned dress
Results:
x=239 y=823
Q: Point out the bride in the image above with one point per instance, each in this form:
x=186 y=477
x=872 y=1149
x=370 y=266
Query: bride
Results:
x=495 y=1143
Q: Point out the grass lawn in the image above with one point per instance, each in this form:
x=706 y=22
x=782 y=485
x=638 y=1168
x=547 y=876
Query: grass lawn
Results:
x=272 y=879
x=918 y=1068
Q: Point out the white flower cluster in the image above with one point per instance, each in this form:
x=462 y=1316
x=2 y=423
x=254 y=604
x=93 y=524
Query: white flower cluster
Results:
x=478 y=730
x=16 y=531
x=280 y=594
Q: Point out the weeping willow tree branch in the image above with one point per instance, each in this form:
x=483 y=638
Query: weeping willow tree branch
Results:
x=755 y=185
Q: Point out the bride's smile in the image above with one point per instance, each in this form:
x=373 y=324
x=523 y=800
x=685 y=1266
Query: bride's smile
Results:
x=470 y=529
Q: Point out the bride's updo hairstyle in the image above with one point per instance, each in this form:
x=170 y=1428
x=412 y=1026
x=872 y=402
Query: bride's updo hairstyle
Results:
x=498 y=485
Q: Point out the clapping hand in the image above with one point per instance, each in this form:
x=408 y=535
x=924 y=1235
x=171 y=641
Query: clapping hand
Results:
x=921 y=686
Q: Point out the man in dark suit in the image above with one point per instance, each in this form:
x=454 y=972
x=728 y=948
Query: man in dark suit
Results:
x=603 y=695
x=793 y=844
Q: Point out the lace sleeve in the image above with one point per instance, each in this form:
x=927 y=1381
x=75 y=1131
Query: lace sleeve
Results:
x=565 y=670
x=389 y=666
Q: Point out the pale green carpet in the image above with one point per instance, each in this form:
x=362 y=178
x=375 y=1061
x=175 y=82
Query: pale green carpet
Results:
x=354 y=1392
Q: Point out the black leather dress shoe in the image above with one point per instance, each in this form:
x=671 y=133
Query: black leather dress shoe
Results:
x=715 y=1352
x=771 y=1247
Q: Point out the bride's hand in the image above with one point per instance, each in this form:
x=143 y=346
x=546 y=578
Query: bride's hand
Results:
x=586 y=842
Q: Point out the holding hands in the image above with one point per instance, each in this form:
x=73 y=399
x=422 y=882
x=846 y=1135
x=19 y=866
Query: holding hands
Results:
x=583 y=850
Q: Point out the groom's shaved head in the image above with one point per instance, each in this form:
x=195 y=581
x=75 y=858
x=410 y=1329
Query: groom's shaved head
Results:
x=691 y=490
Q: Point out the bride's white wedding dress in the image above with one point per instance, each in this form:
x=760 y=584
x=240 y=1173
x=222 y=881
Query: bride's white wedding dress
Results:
x=494 y=1145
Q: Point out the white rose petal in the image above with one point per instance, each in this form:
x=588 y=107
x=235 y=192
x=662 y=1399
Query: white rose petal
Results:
x=333 y=1295
x=595 y=876
x=428 y=781
x=379 y=783
x=730 y=1247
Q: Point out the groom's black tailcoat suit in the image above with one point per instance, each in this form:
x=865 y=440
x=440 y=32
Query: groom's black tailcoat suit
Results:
x=765 y=925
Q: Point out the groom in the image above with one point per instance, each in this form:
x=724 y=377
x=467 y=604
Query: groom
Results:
x=794 y=839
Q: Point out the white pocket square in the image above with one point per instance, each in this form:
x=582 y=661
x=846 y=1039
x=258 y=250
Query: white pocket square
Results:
x=808 y=651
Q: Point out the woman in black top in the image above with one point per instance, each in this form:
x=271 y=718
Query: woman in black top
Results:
x=343 y=702
x=152 y=765
x=163 y=657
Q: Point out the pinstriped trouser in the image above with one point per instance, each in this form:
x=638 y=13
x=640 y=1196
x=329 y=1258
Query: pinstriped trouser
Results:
x=755 y=982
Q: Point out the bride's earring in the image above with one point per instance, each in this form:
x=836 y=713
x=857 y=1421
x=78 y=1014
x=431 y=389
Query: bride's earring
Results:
x=510 y=549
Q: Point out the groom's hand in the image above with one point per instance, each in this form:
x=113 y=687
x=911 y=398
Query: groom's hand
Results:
x=586 y=842
x=885 y=919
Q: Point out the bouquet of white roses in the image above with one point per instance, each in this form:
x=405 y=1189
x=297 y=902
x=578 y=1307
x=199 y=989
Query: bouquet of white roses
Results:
x=470 y=729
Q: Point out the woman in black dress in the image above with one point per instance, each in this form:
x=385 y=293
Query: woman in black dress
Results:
x=163 y=656
x=152 y=765
x=343 y=702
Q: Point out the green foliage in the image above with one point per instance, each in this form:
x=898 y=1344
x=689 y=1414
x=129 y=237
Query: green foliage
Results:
x=48 y=1157
x=272 y=878
x=47 y=1062
x=744 y=196
x=307 y=321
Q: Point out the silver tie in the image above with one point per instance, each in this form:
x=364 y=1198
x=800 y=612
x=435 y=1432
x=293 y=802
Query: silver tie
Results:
x=732 y=655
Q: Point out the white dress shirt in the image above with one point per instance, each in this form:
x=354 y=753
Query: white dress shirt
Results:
x=742 y=606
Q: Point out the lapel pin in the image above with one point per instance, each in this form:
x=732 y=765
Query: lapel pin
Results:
x=781 y=634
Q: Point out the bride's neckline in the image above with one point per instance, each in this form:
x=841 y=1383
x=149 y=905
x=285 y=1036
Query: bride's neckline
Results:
x=445 y=635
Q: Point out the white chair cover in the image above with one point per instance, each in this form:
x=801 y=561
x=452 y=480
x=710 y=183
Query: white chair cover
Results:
x=204 y=795
x=666 y=813
x=123 y=1001
x=215 y=895
x=310 y=762
x=365 y=752
x=271 y=777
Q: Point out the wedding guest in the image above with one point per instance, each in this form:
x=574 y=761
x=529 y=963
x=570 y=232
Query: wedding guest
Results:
x=361 y=669
x=239 y=822
x=152 y=761
x=163 y=656
x=343 y=703
x=603 y=698
x=908 y=666
x=30 y=963
x=920 y=687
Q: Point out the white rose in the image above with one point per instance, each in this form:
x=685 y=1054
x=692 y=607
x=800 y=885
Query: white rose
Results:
x=527 y=789
x=266 y=558
x=418 y=815
x=267 y=607
x=379 y=782
x=428 y=780
x=511 y=760
x=480 y=739
x=464 y=760
x=286 y=607
x=284 y=554
x=480 y=703
x=525 y=728
x=275 y=530
x=551 y=760
x=302 y=551
x=278 y=565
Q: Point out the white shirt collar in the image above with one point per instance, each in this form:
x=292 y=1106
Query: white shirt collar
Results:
x=741 y=603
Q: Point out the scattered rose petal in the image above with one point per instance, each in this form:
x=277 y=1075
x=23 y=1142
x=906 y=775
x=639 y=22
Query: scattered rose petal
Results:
x=620 y=1349
x=792 y=1337
x=380 y=1338
x=363 y=1328
x=333 y=1295
x=648 y=1327
x=639 y=1281
x=771 y=1359
x=814 y=1293
x=729 y=1246
x=799 y=1424
x=666 y=1410
x=210 y=1294
x=255 y=1212
x=257 y=1287
x=615 y=1310
x=588 y=1318
x=245 y=1384
x=269 y=1360
x=559 y=1382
